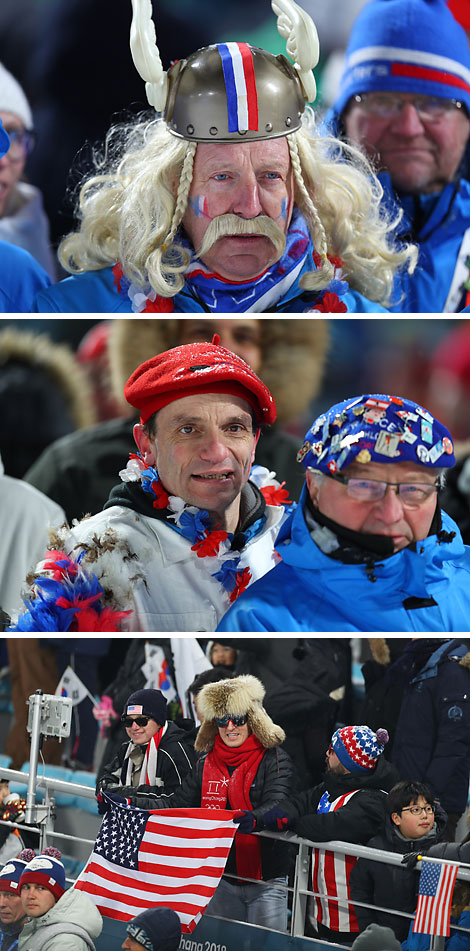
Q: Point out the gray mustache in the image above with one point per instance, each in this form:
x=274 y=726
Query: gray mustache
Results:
x=229 y=225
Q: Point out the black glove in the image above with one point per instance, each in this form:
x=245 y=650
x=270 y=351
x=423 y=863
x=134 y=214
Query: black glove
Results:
x=410 y=859
x=246 y=822
x=276 y=819
x=104 y=802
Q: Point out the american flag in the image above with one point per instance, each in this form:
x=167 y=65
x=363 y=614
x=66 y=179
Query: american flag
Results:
x=436 y=885
x=169 y=858
x=331 y=873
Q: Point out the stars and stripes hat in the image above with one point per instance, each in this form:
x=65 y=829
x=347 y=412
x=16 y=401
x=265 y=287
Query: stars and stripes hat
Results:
x=376 y=427
x=412 y=46
x=358 y=748
x=196 y=368
x=47 y=870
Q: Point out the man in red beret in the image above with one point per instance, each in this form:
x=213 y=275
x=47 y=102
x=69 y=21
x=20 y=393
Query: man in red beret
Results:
x=188 y=529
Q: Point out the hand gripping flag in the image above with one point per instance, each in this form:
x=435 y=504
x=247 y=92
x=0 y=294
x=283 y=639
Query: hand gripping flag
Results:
x=171 y=858
x=436 y=885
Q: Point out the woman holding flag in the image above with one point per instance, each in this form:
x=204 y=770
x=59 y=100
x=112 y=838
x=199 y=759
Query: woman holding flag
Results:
x=241 y=768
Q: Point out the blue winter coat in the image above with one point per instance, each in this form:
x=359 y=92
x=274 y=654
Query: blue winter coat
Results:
x=432 y=736
x=95 y=292
x=458 y=941
x=309 y=591
x=21 y=277
x=437 y=224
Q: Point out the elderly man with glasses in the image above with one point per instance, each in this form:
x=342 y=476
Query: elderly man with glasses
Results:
x=368 y=548
x=404 y=99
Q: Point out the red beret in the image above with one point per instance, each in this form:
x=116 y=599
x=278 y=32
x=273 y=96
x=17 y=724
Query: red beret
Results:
x=196 y=368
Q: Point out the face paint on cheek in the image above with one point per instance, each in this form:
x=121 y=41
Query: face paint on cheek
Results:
x=199 y=206
x=284 y=210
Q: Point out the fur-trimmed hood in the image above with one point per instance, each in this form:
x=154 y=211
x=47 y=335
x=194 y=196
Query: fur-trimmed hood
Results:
x=240 y=695
x=57 y=362
x=293 y=356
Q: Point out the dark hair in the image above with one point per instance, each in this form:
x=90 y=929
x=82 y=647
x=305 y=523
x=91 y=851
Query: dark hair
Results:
x=407 y=792
x=211 y=676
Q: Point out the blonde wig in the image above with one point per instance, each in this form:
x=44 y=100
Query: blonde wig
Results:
x=128 y=211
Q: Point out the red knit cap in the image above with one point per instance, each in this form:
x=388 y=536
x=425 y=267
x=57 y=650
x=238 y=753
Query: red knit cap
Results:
x=196 y=368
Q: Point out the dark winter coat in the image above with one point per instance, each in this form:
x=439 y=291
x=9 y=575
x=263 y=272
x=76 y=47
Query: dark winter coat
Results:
x=129 y=679
x=176 y=758
x=432 y=739
x=272 y=782
x=391 y=886
x=357 y=821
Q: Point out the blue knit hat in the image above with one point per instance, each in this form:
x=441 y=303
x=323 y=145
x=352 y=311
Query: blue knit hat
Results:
x=358 y=748
x=376 y=428
x=4 y=141
x=413 y=46
x=10 y=876
x=156 y=929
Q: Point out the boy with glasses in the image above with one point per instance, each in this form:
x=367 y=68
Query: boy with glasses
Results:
x=368 y=548
x=155 y=761
x=414 y=823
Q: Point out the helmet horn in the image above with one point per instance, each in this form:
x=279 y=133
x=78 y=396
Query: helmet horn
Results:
x=144 y=49
x=298 y=28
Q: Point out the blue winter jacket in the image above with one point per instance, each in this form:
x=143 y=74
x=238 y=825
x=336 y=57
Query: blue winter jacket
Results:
x=95 y=292
x=458 y=941
x=310 y=591
x=21 y=277
x=437 y=224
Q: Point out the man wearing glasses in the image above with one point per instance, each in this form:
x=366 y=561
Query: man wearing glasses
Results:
x=155 y=761
x=368 y=548
x=404 y=98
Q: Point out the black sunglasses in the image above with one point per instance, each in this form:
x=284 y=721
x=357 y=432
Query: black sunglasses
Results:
x=236 y=720
x=141 y=721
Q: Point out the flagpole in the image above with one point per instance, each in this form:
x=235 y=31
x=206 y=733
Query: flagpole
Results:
x=443 y=860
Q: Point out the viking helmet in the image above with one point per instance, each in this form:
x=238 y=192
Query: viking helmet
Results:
x=230 y=92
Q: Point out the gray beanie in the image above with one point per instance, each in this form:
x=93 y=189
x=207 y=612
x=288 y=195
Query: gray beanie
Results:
x=13 y=99
x=376 y=938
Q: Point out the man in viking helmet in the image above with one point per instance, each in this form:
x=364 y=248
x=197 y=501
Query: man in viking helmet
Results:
x=228 y=201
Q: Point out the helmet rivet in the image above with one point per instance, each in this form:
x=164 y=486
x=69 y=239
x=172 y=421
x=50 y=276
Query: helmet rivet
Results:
x=269 y=127
x=288 y=121
x=190 y=129
x=213 y=130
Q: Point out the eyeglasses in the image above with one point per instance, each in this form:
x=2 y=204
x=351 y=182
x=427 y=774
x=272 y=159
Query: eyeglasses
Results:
x=21 y=144
x=388 y=106
x=417 y=810
x=411 y=494
x=231 y=717
x=141 y=721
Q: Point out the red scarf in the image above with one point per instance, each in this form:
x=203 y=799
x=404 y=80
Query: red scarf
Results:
x=218 y=787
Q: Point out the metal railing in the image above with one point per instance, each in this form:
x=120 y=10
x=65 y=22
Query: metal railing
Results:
x=299 y=891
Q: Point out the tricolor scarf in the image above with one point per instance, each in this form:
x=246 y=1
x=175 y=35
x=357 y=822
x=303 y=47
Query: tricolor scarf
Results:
x=148 y=770
x=222 y=789
x=261 y=294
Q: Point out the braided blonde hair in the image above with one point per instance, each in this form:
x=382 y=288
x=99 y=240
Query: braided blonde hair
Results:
x=128 y=212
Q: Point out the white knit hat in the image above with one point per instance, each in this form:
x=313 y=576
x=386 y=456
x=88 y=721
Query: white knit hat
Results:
x=13 y=99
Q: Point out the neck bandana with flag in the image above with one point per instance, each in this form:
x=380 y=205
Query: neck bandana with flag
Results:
x=172 y=858
x=436 y=885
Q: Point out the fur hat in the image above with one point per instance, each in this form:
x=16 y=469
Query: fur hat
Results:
x=240 y=695
x=293 y=356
